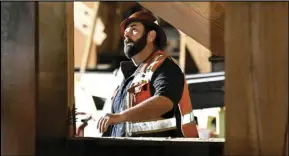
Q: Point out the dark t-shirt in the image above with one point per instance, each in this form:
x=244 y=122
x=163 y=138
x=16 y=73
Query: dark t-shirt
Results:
x=168 y=81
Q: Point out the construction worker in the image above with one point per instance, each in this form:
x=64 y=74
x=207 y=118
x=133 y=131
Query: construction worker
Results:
x=153 y=99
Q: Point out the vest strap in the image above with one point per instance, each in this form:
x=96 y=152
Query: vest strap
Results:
x=159 y=125
x=148 y=72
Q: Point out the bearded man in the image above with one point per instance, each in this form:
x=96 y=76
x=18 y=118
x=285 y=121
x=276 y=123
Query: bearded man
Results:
x=153 y=98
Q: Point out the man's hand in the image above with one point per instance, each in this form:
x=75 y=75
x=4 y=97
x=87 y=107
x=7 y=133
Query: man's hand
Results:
x=109 y=119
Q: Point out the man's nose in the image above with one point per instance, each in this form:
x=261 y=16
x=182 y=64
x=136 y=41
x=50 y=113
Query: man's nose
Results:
x=126 y=34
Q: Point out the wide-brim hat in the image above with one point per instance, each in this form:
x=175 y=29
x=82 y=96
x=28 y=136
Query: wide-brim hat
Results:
x=151 y=21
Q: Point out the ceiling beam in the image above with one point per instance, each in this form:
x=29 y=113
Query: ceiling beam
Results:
x=188 y=20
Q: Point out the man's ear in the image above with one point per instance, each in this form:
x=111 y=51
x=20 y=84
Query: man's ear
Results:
x=152 y=36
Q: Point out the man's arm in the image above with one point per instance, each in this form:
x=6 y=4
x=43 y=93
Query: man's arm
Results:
x=151 y=108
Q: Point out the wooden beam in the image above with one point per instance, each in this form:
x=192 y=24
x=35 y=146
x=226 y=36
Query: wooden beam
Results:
x=197 y=52
x=182 y=56
x=214 y=11
x=200 y=54
x=89 y=42
x=191 y=22
x=124 y=6
x=256 y=87
x=84 y=13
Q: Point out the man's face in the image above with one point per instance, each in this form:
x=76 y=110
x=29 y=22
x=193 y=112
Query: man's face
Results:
x=135 y=39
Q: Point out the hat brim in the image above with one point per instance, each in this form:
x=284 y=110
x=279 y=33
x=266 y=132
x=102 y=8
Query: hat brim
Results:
x=161 y=35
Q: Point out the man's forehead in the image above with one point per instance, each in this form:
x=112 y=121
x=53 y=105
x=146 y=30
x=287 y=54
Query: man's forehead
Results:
x=135 y=24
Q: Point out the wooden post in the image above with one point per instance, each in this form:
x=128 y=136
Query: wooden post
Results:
x=52 y=69
x=35 y=78
x=70 y=59
x=256 y=60
x=18 y=76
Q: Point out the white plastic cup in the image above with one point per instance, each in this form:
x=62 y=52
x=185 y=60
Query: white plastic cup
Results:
x=204 y=133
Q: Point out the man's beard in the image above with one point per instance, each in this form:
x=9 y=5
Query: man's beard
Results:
x=131 y=48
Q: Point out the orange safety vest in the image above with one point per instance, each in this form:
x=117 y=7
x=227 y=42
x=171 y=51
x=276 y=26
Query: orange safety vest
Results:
x=139 y=90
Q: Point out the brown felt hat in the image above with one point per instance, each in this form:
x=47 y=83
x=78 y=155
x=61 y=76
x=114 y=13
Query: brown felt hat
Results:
x=148 y=19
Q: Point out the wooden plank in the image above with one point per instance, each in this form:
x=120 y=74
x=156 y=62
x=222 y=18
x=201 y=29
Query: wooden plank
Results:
x=79 y=43
x=18 y=93
x=191 y=22
x=148 y=146
x=83 y=19
x=70 y=58
x=89 y=42
x=200 y=55
x=151 y=139
x=182 y=59
x=197 y=52
x=256 y=78
x=53 y=65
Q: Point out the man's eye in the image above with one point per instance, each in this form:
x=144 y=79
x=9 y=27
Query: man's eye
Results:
x=134 y=31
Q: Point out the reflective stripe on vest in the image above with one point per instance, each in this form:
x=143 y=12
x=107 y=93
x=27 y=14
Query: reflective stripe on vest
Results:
x=187 y=119
x=159 y=125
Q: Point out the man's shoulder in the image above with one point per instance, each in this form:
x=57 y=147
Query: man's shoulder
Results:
x=170 y=66
x=169 y=70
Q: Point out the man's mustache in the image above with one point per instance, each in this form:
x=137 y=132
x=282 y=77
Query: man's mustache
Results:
x=128 y=40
